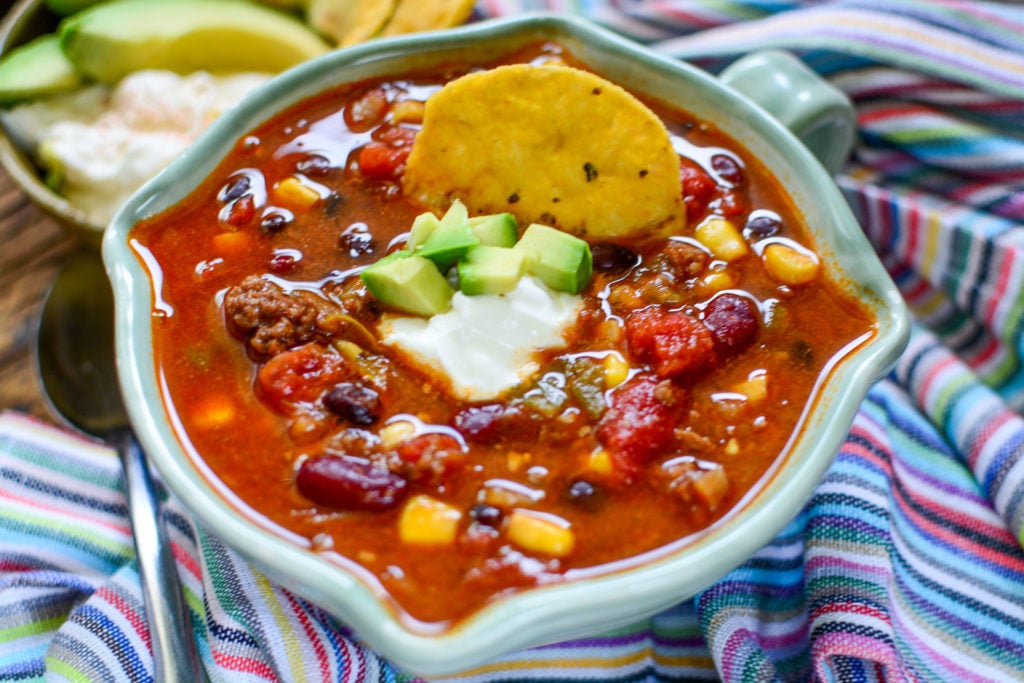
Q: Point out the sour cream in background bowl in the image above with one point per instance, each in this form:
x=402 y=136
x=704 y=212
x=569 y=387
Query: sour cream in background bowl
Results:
x=638 y=588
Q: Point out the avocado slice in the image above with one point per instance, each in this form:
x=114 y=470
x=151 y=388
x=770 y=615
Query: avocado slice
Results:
x=450 y=240
x=495 y=230
x=111 y=39
x=561 y=261
x=35 y=69
x=409 y=283
x=491 y=270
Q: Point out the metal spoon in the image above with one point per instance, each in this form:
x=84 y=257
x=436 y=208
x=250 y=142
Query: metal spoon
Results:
x=78 y=372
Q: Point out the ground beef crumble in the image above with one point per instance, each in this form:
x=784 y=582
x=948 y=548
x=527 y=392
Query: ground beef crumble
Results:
x=270 y=319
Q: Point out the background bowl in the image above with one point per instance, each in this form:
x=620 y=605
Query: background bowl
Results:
x=26 y=20
x=560 y=611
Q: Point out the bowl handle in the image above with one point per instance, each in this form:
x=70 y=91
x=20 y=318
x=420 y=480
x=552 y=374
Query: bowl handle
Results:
x=817 y=112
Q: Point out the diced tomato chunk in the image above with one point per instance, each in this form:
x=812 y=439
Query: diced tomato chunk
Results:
x=379 y=161
x=300 y=375
x=675 y=344
x=640 y=423
x=697 y=188
x=432 y=455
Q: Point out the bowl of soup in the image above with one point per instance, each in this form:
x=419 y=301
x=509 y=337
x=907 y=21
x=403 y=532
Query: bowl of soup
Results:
x=498 y=336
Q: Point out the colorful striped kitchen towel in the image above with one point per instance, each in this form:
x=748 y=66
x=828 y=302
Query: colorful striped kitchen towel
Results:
x=904 y=566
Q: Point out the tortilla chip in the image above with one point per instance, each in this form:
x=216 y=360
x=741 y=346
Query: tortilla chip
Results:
x=348 y=22
x=427 y=15
x=550 y=144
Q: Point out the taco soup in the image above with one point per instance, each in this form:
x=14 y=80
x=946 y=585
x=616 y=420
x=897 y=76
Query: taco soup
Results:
x=474 y=330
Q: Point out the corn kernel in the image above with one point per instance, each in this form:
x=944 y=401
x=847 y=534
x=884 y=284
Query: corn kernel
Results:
x=231 y=244
x=732 y=447
x=600 y=462
x=541 y=533
x=717 y=280
x=722 y=238
x=395 y=433
x=789 y=265
x=755 y=387
x=407 y=111
x=616 y=369
x=428 y=521
x=292 y=193
x=214 y=412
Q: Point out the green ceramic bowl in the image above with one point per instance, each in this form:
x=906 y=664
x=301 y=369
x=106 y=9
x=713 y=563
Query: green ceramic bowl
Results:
x=621 y=596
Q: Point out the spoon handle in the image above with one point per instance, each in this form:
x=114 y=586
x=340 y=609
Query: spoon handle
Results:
x=174 y=651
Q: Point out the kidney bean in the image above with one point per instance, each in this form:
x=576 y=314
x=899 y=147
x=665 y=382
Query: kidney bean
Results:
x=365 y=112
x=354 y=402
x=612 y=257
x=350 y=483
x=479 y=423
x=733 y=321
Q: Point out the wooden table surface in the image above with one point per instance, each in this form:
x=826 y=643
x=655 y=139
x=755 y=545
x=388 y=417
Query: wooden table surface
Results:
x=33 y=248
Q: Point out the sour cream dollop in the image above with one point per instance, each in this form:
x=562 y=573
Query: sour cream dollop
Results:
x=486 y=344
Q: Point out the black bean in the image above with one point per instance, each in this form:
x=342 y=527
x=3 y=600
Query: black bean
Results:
x=733 y=321
x=728 y=169
x=612 y=257
x=485 y=514
x=356 y=243
x=354 y=402
x=584 y=494
x=763 y=225
x=314 y=165
x=350 y=483
x=235 y=188
x=274 y=222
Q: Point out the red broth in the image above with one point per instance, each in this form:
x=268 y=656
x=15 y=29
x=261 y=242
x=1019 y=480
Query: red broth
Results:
x=684 y=377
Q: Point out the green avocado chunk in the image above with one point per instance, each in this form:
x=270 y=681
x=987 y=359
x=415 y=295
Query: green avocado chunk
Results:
x=35 y=69
x=450 y=240
x=111 y=39
x=409 y=283
x=495 y=230
x=491 y=270
x=561 y=261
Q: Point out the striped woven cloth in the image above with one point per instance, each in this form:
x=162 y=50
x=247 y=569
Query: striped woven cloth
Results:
x=904 y=566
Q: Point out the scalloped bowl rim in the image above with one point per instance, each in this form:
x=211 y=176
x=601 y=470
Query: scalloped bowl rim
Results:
x=559 y=611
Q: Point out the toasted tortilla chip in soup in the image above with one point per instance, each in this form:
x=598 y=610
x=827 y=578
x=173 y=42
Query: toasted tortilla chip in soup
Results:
x=551 y=144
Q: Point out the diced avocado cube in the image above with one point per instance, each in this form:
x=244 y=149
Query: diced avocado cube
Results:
x=491 y=270
x=408 y=283
x=561 y=261
x=422 y=226
x=496 y=230
x=450 y=240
